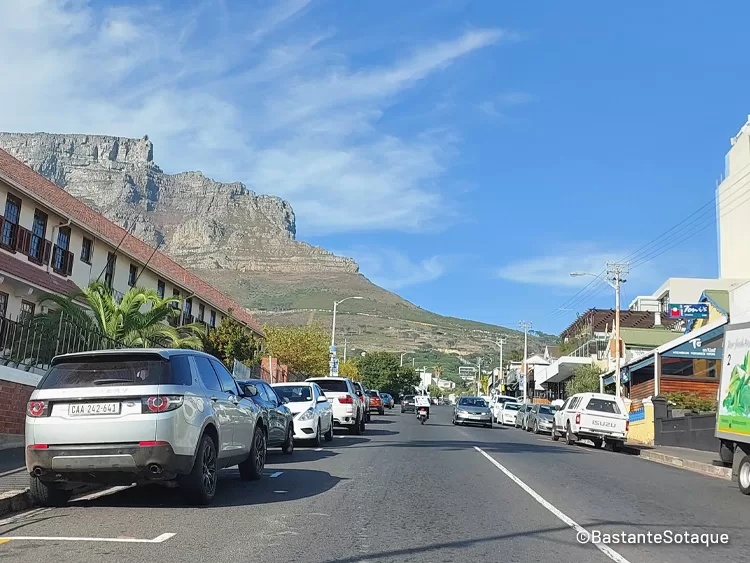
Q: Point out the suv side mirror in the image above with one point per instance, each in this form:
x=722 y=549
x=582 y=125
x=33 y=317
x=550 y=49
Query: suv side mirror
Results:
x=322 y=399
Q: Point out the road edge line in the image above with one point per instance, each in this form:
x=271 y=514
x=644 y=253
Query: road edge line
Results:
x=606 y=550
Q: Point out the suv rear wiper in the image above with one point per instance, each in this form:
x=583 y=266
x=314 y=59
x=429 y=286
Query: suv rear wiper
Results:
x=112 y=381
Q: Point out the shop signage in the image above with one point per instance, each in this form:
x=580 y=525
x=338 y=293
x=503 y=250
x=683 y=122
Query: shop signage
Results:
x=696 y=348
x=695 y=311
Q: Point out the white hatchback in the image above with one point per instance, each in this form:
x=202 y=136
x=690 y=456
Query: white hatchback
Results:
x=313 y=414
x=507 y=413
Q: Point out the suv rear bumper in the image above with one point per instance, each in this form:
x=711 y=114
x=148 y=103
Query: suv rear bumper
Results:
x=110 y=463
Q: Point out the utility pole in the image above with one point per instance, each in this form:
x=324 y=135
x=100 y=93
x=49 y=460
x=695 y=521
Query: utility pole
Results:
x=500 y=341
x=344 y=350
x=479 y=376
x=615 y=271
x=402 y=358
x=525 y=326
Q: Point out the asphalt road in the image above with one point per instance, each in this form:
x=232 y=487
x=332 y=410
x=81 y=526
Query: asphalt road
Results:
x=405 y=492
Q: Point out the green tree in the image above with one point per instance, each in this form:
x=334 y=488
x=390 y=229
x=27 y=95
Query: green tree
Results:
x=484 y=384
x=139 y=319
x=231 y=341
x=349 y=369
x=435 y=391
x=303 y=348
x=381 y=370
x=585 y=380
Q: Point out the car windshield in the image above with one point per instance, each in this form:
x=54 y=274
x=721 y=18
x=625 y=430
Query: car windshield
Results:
x=108 y=370
x=472 y=402
x=294 y=393
x=512 y=406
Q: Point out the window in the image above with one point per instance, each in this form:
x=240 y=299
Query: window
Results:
x=3 y=304
x=188 y=306
x=108 y=371
x=27 y=311
x=62 y=260
x=87 y=250
x=268 y=395
x=10 y=225
x=181 y=373
x=132 y=275
x=601 y=405
x=201 y=312
x=38 y=231
x=176 y=293
x=207 y=374
x=227 y=381
x=160 y=289
x=333 y=385
x=109 y=269
x=212 y=319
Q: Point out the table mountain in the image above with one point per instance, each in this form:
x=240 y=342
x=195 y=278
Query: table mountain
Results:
x=241 y=242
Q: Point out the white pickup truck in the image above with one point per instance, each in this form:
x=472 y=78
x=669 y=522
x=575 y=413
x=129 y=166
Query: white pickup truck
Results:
x=592 y=416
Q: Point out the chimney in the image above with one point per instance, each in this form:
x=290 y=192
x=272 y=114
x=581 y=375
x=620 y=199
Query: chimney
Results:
x=657 y=318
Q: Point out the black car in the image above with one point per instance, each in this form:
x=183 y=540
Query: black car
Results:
x=407 y=404
x=276 y=415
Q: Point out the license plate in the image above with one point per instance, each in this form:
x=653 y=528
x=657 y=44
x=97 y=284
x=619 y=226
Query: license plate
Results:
x=86 y=409
x=474 y=416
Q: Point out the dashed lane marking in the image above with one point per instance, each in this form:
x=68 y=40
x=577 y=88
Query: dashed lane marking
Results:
x=318 y=449
x=606 y=550
x=275 y=474
x=104 y=493
x=157 y=539
x=280 y=492
x=12 y=471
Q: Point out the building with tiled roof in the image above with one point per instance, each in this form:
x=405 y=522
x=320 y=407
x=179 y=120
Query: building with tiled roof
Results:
x=52 y=242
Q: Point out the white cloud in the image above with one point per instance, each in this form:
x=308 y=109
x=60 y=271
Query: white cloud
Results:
x=240 y=96
x=395 y=270
x=555 y=269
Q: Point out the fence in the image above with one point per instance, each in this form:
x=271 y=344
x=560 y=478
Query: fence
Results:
x=30 y=343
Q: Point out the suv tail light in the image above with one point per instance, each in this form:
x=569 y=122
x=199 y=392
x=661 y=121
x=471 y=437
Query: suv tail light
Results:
x=347 y=400
x=578 y=418
x=627 y=425
x=160 y=403
x=37 y=409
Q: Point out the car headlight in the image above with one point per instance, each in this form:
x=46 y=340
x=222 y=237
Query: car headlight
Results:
x=309 y=414
x=461 y=411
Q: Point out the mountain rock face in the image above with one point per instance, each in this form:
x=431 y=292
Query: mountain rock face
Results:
x=203 y=224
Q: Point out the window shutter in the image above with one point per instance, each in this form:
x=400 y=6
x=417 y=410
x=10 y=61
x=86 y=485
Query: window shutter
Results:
x=69 y=263
x=47 y=253
x=23 y=241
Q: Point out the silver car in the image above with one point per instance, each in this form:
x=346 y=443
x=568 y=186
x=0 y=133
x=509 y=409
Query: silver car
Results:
x=472 y=410
x=539 y=419
x=521 y=416
x=133 y=416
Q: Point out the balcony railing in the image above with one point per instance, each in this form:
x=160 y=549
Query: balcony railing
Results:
x=17 y=239
x=187 y=319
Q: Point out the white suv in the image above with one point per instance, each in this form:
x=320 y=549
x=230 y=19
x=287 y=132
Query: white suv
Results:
x=348 y=410
x=131 y=416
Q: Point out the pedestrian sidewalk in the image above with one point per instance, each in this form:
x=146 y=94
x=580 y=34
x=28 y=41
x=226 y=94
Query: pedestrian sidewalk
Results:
x=14 y=481
x=699 y=461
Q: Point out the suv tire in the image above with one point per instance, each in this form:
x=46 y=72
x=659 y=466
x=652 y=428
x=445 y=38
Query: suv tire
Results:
x=288 y=446
x=328 y=436
x=356 y=428
x=200 y=483
x=48 y=494
x=252 y=468
x=555 y=436
x=570 y=438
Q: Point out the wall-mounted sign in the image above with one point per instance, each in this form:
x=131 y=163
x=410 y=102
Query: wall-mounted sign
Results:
x=694 y=311
x=696 y=348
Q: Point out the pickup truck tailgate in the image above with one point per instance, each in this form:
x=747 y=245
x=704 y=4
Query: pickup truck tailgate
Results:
x=609 y=424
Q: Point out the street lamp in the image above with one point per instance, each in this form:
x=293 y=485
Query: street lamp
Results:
x=402 y=358
x=333 y=328
x=615 y=270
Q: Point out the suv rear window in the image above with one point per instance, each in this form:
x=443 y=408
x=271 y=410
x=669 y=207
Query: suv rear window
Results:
x=602 y=405
x=333 y=385
x=111 y=370
x=373 y=394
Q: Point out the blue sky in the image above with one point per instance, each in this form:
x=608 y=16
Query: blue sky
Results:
x=469 y=154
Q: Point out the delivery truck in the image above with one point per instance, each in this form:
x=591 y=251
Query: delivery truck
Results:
x=733 y=409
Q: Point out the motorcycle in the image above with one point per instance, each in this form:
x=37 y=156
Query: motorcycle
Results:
x=423 y=414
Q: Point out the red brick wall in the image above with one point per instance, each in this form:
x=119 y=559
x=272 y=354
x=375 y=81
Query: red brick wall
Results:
x=13 y=399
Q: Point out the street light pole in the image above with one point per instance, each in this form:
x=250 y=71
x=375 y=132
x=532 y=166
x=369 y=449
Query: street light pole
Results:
x=333 y=331
x=402 y=358
x=499 y=342
x=525 y=326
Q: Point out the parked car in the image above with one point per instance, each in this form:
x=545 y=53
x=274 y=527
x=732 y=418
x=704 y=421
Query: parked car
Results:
x=276 y=415
x=364 y=398
x=116 y=417
x=348 y=410
x=376 y=401
x=473 y=410
x=540 y=419
x=388 y=401
x=593 y=416
x=497 y=402
x=508 y=412
x=313 y=414
x=407 y=404
x=521 y=415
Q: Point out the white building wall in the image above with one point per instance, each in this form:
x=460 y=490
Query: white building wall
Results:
x=733 y=209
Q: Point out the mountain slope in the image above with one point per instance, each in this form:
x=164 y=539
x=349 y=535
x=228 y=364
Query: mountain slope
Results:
x=242 y=243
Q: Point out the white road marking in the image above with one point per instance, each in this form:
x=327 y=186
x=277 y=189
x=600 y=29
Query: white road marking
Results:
x=318 y=449
x=606 y=550
x=104 y=493
x=275 y=474
x=280 y=492
x=12 y=471
x=158 y=539
x=23 y=516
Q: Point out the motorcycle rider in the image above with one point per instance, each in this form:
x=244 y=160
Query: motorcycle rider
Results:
x=422 y=403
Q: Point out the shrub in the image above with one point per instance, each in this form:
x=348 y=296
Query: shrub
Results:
x=690 y=401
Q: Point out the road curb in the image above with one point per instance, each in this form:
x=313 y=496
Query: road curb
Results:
x=695 y=466
x=15 y=501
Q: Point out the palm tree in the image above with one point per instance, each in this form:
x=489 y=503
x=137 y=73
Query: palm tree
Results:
x=438 y=371
x=139 y=319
